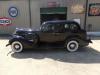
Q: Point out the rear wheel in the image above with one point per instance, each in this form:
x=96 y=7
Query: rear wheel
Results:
x=72 y=45
x=17 y=46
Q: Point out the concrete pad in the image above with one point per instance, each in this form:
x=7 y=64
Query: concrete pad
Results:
x=50 y=62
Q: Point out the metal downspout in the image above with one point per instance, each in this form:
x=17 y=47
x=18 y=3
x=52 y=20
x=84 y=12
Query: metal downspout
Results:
x=86 y=12
x=30 y=17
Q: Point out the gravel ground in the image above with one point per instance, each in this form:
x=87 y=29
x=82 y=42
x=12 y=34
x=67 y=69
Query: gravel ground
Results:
x=50 y=62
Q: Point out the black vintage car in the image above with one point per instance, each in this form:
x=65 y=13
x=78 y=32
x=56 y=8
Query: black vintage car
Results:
x=61 y=33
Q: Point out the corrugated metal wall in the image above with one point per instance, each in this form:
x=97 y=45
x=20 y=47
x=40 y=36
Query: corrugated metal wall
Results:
x=35 y=14
x=22 y=20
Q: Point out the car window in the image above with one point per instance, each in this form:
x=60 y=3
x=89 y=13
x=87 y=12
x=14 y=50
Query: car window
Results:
x=63 y=27
x=74 y=27
x=43 y=28
x=47 y=28
x=50 y=27
x=60 y=27
x=66 y=26
x=55 y=27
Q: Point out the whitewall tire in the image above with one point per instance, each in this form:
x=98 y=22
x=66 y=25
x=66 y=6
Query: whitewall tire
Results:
x=72 y=46
x=17 y=46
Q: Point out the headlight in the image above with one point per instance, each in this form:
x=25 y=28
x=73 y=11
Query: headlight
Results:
x=14 y=32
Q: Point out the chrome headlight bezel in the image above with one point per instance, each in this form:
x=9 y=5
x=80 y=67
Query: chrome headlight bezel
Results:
x=15 y=32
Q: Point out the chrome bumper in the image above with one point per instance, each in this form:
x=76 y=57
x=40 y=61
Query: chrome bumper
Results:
x=7 y=45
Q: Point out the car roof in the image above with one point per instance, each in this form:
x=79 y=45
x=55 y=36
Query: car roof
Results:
x=61 y=21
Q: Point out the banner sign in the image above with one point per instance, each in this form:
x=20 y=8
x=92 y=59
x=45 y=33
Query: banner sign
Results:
x=94 y=9
x=77 y=9
x=5 y=21
x=53 y=4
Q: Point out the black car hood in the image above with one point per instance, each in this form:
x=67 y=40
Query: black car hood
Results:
x=27 y=29
x=22 y=31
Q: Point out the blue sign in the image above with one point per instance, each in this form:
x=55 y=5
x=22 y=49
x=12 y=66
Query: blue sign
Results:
x=13 y=11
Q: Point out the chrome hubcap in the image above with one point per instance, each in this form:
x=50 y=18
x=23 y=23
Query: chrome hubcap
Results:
x=17 y=46
x=72 y=45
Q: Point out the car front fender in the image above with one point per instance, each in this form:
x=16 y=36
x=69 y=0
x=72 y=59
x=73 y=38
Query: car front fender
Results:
x=20 y=39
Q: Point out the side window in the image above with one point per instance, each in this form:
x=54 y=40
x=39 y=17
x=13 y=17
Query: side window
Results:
x=74 y=27
x=66 y=26
x=47 y=28
x=51 y=27
x=44 y=28
x=61 y=27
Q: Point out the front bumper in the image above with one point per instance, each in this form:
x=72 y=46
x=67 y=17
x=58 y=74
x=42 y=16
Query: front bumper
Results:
x=7 y=44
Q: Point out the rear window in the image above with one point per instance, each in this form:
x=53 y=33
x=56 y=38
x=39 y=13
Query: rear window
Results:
x=74 y=27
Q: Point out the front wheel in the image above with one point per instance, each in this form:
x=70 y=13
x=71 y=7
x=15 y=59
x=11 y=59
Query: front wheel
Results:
x=72 y=45
x=17 y=46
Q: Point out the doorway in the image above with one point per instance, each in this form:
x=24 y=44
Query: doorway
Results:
x=49 y=14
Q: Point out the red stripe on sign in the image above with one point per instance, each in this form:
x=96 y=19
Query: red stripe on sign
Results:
x=4 y=21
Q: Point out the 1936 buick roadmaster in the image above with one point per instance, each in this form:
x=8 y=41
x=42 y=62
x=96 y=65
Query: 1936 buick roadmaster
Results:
x=61 y=33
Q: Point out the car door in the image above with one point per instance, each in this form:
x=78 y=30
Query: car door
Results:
x=47 y=33
x=62 y=31
x=55 y=32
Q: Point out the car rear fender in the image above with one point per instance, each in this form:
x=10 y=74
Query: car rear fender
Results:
x=78 y=39
x=73 y=37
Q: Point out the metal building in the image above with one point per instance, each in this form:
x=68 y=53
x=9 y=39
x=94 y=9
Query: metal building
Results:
x=31 y=13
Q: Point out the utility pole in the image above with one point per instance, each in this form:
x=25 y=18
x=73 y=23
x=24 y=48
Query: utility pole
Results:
x=86 y=12
x=30 y=15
